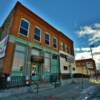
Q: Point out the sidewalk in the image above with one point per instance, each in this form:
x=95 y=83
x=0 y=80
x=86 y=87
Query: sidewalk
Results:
x=24 y=90
x=68 y=91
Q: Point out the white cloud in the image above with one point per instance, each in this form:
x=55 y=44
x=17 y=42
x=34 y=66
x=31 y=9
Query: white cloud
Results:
x=85 y=54
x=85 y=49
x=92 y=31
x=77 y=49
x=96 y=49
x=82 y=55
x=97 y=25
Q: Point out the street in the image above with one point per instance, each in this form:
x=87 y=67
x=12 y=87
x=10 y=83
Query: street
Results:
x=68 y=91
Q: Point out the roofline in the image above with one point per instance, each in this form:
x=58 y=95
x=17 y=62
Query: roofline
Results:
x=84 y=59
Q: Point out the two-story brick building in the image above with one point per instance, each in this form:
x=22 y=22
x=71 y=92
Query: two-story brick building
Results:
x=34 y=47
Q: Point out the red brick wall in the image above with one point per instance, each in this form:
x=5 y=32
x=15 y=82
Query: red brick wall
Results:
x=22 y=12
x=8 y=58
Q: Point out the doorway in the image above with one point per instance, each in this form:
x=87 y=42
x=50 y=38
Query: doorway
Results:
x=36 y=71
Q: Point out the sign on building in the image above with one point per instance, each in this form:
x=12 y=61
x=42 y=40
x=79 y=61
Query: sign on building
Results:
x=70 y=59
x=3 y=45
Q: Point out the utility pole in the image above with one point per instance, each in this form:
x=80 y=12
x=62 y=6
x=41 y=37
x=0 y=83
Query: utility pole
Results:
x=91 y=52
x=92 y=58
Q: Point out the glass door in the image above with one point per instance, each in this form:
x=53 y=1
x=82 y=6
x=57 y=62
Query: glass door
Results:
x=36 y=72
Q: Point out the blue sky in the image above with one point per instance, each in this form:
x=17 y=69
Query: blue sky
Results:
x=78 y=19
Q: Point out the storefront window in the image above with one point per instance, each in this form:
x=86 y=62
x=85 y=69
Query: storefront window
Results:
x=19 y=59
x=47 y=63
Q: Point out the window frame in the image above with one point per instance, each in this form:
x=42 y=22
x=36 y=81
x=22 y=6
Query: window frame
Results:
x=56 y=42
x=61 y=45
x=21 y=52
x=28 y=27
x=66 y=47
x=65 y=68
x=40 y=33
x=49 y=38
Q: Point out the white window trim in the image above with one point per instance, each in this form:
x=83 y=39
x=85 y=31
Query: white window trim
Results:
x=40 y=33
x=56 y=41
x=28 y=27
x=49 y=37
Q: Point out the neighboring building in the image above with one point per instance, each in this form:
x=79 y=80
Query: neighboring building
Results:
x=67 y=61
x=33 y=46
x=86 y=67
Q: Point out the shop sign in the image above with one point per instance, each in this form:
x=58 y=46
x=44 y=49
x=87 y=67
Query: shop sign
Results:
x=70 y=59
x=3 y=45
x=37 y=59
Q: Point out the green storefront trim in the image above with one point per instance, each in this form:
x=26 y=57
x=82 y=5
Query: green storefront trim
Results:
x=54 y=63
x=14 y=39
x=17 y=73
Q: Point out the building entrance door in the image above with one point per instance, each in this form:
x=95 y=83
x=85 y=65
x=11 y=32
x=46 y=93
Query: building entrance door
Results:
x=36 y=71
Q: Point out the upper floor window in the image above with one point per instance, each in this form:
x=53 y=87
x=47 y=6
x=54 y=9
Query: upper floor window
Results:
x=68 y=49
x=65 y=47
x=61 y=45
x=55 y=42
x=47 y=38
x=37 y=33
x=24 y=26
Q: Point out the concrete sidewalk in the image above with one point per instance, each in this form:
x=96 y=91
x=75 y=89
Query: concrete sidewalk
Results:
x=25 y=89
x=68 y=91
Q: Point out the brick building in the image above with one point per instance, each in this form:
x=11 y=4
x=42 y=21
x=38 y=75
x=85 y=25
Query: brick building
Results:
x=86 y=67
x=34 y=47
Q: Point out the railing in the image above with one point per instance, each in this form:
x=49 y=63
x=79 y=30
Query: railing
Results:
x=18 y=81
x=14 y=81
